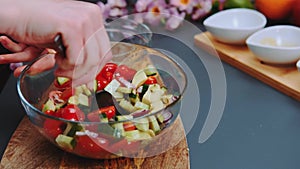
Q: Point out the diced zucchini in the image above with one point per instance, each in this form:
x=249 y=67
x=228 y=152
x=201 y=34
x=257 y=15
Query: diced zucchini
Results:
x=156 y=106
x=117 y=95
x=73 y=100
x=139 y=78
x=78 y=90
x=62 y=80
x=155 y=87
x=83 y=99
x=103 y=117
x=95 y=85
x=135 y=135
x=152 y=95
x=150 y=70
x=119 y=128
x=71 y=129
x=140 y=105
x=160 y=118
x=86 y=90
x=133 y=98
x=112 y=86
x=122 y=89
x=127 y=105
x=167 y=99
x=49 y=105
x=124 y=117
x=142 y=124
x=66 y=142
x=153 y=124
x=151 y=133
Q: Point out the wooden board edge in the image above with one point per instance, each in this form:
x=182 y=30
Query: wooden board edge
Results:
x=207 y=45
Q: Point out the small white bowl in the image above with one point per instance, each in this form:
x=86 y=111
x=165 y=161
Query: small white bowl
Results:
x=234 y=26
x=276 y=44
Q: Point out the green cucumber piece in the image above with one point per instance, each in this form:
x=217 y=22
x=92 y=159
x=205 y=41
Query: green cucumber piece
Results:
x=135 y=135
x=160 y=118
x=83 y=100
x=122 y=89
x=62 y=80
x=86 y=90
x=139 y=78
x=112 y=86
x=150 y=70
x=65 y=142
x=153 y=124
x=124 y=117
x=49 y=105
x=127 y=105
x=118 y=129
x=142 y=124
x=157 y=106
x=71 y=129
x=73 y=100
x=140 y=105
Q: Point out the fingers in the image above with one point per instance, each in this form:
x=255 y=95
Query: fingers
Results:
x=87 y=51
x=24 y=56
x=43 y=64
x=11 y=45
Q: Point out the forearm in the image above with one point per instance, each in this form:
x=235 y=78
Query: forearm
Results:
x=8 y=15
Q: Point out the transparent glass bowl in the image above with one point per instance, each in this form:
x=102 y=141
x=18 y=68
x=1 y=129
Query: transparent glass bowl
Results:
x=101 y=140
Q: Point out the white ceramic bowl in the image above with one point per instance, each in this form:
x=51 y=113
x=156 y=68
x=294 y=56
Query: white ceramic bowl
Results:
x=276 y=44
x=234 y=26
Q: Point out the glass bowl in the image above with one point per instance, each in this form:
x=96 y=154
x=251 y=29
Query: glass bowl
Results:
x=139 y=132
x=129 y=31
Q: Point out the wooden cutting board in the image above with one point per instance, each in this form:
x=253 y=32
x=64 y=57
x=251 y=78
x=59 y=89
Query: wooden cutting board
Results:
x=27 y=149
x=284 y=78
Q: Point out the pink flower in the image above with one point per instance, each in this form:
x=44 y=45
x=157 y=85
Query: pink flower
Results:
x=117 y=3
x=155 y=12
x=175 y=19
x=115 y=12
x=203 y=7
x=184 y=5
x=105 y=10
x=113 y=8
x=142 y=5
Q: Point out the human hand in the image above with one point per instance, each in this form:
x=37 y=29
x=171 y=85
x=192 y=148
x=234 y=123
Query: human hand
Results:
x=24 y=53
x=79 y=24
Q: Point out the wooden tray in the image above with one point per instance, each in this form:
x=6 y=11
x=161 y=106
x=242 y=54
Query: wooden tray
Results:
x=283 y=78
x=28 y=149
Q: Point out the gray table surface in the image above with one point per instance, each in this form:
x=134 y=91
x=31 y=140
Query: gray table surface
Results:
x=260 y=127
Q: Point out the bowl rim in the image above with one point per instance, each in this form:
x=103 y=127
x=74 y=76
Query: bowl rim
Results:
x=207 y=22
x=251 y=42
x=23 y=100
x=112 y=20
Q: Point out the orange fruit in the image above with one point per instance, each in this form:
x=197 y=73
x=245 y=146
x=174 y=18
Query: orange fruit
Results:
x=275 y=9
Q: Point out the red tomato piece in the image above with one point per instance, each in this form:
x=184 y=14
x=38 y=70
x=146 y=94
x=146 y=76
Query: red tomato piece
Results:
x=151 y=80
x=108 y=76
x=128 y=126
x=90 y=146
x=67 y=93
x=72 y=112
x=125 y=72
x=53 y=128
x=50 y=112
x=110 y=111
x=109 y=67
x=101 y=83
